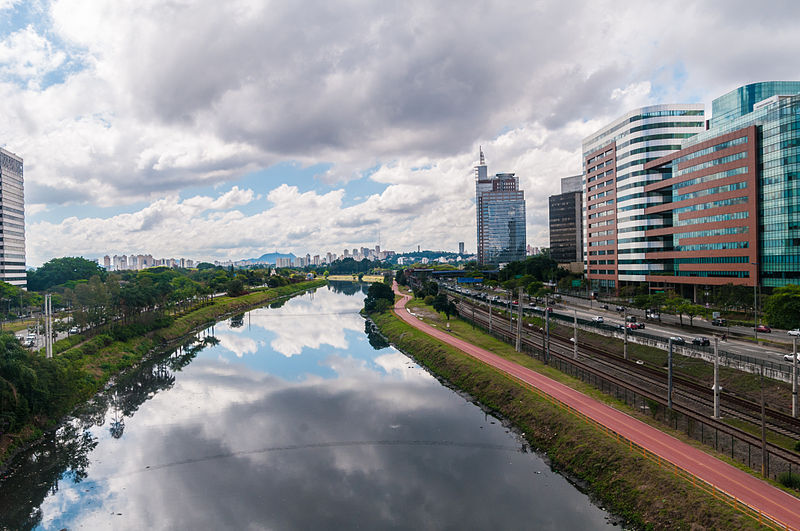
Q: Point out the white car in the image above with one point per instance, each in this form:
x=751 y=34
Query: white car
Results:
x=597 y=319
x=788 y=357
x=795 y=332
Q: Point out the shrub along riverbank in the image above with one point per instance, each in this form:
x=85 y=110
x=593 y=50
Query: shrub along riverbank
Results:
x=631 y=486
x=37 y=392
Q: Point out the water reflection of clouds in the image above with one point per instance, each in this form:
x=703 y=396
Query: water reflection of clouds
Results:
x=239 y=446
x=237 y=344
x=310 y=321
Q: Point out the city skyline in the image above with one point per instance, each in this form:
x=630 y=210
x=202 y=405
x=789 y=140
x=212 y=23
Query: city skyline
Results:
x=133 y=139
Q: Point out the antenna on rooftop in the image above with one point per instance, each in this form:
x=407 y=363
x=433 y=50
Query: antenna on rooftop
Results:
x=483 y=161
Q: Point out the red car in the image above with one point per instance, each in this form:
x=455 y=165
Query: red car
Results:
x=633 y=326
x=763 y=328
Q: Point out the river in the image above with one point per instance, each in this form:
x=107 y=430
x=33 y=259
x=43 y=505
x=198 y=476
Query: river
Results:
x=292 y=416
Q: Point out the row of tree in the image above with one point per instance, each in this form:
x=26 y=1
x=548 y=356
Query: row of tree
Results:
x=120 y=304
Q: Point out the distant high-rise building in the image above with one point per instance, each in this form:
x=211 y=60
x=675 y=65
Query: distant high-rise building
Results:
x=500 y=208
x=12 y=220
x=107 y=262
x=566 y=224
x=572 y=184
x=461 y=248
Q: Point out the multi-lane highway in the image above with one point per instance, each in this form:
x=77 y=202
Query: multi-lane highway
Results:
x=664 y=327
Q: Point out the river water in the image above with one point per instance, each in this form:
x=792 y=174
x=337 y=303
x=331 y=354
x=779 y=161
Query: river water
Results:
x=293 y=416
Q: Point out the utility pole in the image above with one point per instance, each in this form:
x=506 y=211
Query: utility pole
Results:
x=669 y=375
x=48 y=325
x=575 y=335
x=755 y=300
x=716 y=377
x=519 y=320
x=547 y=329
x=490 y=314
x=625 y=331
x=763 y=429
x=794 y=377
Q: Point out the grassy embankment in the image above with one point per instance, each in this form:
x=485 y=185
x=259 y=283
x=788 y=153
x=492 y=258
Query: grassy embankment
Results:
x=633 y=487
x=100 y=358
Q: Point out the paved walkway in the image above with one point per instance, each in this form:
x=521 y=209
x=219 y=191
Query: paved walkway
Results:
x=771 y=501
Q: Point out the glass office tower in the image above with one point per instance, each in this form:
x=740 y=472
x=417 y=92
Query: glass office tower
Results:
x=773 y=108
x=500 y=209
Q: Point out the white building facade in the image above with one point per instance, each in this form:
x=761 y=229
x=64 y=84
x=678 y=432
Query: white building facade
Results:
x=614 y=195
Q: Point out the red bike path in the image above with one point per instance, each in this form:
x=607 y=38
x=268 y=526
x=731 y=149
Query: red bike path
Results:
x=771 y=501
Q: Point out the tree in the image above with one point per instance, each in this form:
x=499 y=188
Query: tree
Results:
x=378 y=291
x=677 y=306
x=235 y=287
x=534 y=288
x=442 y=304
x=400 y=277
x=692 y=310
x=61 y=270
x=731 y=296
x=641 y=301
x=782 y=308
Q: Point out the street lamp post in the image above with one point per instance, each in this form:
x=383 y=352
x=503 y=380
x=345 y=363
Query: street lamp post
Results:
x=625 y=331
x=755 y=299
x=575 y=335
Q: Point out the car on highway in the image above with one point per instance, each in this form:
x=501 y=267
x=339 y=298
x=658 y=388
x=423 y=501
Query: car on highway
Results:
x=719 y=322
x=73 y=330
x=30 y=340
x=795 y=332
x=677 y=340
x=597 y=319
x=788 y=357
x=652 y=315
x=701 y=341
x=632 y=319
x=763 y=328
x=633 y=326
x=620 y=308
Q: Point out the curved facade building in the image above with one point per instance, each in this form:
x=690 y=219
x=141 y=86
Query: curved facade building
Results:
x=615 y=197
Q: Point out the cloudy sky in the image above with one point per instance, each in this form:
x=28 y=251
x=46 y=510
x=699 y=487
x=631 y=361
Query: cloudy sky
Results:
x=217 y=130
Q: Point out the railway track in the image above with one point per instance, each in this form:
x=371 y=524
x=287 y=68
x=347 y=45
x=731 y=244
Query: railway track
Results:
x=733 y=404
x=632 y=382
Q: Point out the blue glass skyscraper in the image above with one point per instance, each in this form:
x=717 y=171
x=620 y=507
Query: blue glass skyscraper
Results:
x=500 y=208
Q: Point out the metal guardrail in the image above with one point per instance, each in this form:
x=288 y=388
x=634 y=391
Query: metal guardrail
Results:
x=744 y=362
